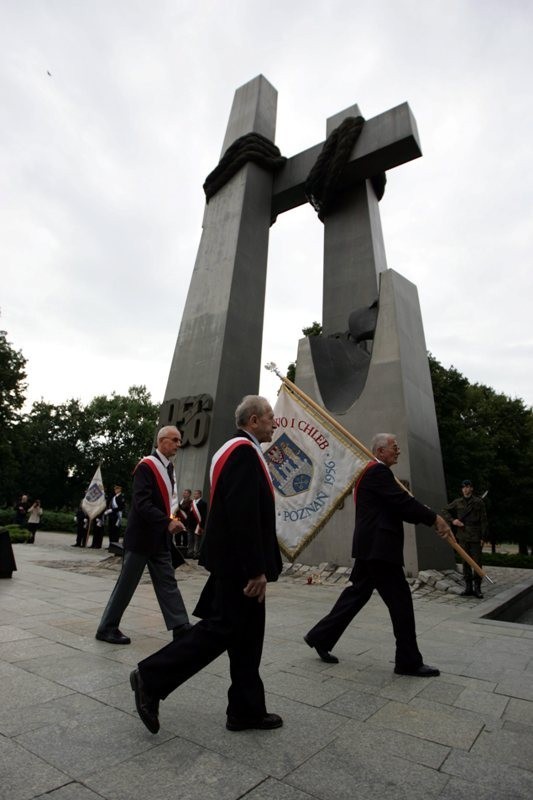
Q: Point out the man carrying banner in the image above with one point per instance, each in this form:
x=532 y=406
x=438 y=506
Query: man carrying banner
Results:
x=381 y=507
x=147 y=542
x=241 y=552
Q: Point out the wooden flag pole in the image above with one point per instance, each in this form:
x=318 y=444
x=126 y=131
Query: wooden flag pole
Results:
x=312 y=404
x=88 y=532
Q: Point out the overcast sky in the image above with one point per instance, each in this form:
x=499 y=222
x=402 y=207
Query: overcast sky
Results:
x=114 y=112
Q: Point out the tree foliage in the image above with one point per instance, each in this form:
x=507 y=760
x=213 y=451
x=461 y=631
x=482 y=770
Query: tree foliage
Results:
x=57 y=448
x=12 y=388
x=488 y=438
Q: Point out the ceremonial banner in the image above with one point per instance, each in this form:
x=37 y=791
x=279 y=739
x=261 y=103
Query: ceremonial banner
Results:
x=313 y=466
x=94 y=501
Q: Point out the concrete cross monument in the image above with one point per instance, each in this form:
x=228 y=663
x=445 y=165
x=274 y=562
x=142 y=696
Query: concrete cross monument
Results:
x=369 y=368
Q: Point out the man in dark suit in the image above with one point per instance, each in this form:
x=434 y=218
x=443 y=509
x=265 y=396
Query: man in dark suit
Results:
x=147 y=542
x=185 y=516
x=241 y=552
x=381 y=506
x=117 y=506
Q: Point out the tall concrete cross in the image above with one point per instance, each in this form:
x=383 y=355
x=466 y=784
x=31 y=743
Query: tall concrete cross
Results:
x=218 y=351
x=354 y=253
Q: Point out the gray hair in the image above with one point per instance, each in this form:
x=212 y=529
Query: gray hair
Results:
x=381 y=440
x=165 y=432
x=250 y=405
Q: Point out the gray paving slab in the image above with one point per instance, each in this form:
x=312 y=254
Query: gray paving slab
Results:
x=177 y=768
x=485 y=771
x=39 y=715
x=72 y=791
x=76 y=745
x=24 y=775
x=31 y=647
x=79 y=671
x=19 y=688
x=438 y=723
x=347 y=768
x=271 y=789
x=519 y=711
x=355 y=704
x=512 y=748
x=69 y=728
x=516 y=684
x=305 y=731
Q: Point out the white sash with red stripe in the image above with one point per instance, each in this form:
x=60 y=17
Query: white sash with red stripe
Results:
x=223 y=453
x=163 y=481
x=197 y=516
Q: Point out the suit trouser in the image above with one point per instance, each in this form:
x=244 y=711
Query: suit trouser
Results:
x=165 y=587
x=230 y=621
x=390 y=582
x=193 y=543
x=114 y=530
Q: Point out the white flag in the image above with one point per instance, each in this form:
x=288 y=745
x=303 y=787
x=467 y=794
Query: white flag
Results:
x=94 y=501
x=313 y=467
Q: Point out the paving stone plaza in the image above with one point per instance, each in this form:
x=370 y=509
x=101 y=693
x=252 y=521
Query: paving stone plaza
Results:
x=69 y=730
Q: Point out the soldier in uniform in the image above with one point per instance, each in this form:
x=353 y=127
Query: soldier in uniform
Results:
x=467 y=513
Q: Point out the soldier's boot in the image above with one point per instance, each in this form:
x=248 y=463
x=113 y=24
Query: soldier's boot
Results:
x=468 y=592
x=477 y=589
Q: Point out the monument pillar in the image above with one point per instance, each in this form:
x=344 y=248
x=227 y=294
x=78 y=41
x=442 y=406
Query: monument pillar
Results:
x=217 y=359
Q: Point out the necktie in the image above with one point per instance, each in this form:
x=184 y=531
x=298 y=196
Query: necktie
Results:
x=170 y=470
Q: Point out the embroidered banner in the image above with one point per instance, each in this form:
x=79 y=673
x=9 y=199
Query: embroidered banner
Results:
x=94 y=501
x=313 y=467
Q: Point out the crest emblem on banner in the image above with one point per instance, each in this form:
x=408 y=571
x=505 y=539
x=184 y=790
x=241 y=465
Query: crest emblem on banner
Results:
x=290 y=467
x=94 y=493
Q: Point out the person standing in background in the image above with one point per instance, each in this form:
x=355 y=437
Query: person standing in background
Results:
x=35 y=512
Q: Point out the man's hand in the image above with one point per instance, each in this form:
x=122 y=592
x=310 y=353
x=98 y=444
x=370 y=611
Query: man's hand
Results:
x=443 y=529
x=175 y=525
x=458 y=523
x=256 y=587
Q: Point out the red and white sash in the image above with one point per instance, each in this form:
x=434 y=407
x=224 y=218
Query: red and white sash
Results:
x=163 y=481
x=197 y=516
x=223 y=453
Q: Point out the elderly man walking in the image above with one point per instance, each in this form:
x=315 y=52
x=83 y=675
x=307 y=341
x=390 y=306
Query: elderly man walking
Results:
x=241 y=552
x=381 y=506
x=147 y=542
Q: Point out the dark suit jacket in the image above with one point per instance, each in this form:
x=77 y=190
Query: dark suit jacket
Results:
x=381 y=506
x=240 y=538
x=147 y=528
x=120 y=501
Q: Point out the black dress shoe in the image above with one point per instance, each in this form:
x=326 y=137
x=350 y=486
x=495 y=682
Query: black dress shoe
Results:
x=266 y=723
x=113 y=637
x=176 y=632
x=147 y=706
x=325 y=655
x=423 y=671
x=477 y=593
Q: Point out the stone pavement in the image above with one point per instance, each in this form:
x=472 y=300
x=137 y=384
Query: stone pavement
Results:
x=69 y=730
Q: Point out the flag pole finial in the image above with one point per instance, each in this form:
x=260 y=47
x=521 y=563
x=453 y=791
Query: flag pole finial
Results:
x=272 y=367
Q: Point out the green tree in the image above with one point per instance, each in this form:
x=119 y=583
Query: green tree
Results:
x=50 y=444
x=12 y=389
x=122 y=430
x=60 y=446
x=488 y=438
